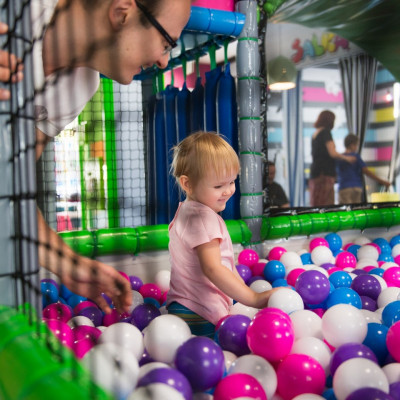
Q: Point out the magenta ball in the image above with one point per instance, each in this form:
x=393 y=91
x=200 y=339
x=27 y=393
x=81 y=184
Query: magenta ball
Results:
x=248 y=257
x=392 y=276
x=112 y=318
x=58 y=311
x=258 y=269
x=313 y=286
x=202 y=361
x=232 y=334
x=84 y=304
x=150 y=290
x=345 y=259
x=293 y=275
x=82 y=346
x=298 y=374
x=86 y=332
x=276 y=253
x=270 y=335
x=393 y=340
x=318 y=241
x=239 y=385
x=62 y=331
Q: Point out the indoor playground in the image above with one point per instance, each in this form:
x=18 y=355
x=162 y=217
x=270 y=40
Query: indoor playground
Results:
x=258 y=73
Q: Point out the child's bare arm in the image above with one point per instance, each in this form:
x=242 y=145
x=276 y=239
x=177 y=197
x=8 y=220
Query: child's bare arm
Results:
x=227 y=281
x=368 y=172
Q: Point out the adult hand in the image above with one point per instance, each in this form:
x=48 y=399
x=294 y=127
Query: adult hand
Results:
x=10 y=67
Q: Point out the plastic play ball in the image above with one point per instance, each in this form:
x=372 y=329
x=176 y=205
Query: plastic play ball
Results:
x=168 y=376
x=270 y=334
x=312 y=286
x=391 y=313
x=287 y=300
x=241 y=309
x=143 y=314
x=367 y=252
x=150 y=290
x=343 y=323
x=274 y=270
x=79 y=320
x=334 y=241
x=392 y=372
x=257 y=269
x=202 y=361
x=306 y=323
x=86 y=332
x=358 y=373
x=348 y=351
x=156 y=391
x=62 y=331
x=244 y=271
x=162 y=279
x=260 y=286
x=321 y=255
x=293 y=275
x=126 y=336
x=393 y=340
x=369 y=394
x=343 y=295
x=340 y=279
x=366 y=285
x=298 y=374
x=112 y=318
x=58 y=311
x=136 y=282
x=376 y=340
x=50 y=291
x=248 y=257
x=276 y=252
x=237 y=386
x=291 y=260
x=164 y=335
x=318 y=241
x=345 y=259
x=232 y=334
x=392 y=276
x=387 y=296
x=94 y=314
x=229 y=359
x=260 y=369
x=112 y=368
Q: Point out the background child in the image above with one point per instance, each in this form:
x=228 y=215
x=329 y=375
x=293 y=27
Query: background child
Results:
x=204 y=279
x=350 y=175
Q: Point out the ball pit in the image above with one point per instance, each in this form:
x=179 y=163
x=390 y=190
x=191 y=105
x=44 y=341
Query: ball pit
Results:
x=331 y=332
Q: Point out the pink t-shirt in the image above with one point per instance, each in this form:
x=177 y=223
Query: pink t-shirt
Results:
x=195 y=224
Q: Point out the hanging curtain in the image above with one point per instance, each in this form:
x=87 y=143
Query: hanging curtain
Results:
x=358 y=82
x=293 y=134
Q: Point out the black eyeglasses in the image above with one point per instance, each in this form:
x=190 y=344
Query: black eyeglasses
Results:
x=156 y=24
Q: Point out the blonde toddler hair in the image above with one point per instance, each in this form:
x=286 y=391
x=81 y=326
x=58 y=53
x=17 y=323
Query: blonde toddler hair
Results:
x=201 y=152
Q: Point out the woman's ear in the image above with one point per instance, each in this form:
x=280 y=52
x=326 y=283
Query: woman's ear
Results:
x=119 y=11
x=185 y=184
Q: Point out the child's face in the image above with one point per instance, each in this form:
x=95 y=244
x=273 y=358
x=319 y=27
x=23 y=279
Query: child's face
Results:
x=214 y=192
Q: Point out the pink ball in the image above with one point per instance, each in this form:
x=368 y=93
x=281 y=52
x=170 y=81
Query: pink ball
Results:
x=318 y=241
x=150 y=290
x=239 y=386
x=221 y=320
x=397 y=259
x=392 y=276
x=346 y=246
x=57 y=311
x=298 y=374
x=276 y=252
x=293 y=275
x=258 y=269
x=248 y=257
x=112 y=318
x=319 y=311
x=86 y=332
x=332 y=270
x=369 y=268
x=270 y=335
x=62 y=331
x=163 y=297
x=345 y=259
x=84 y=304
x=393 y=340
x=81 y=347
x=124 y=275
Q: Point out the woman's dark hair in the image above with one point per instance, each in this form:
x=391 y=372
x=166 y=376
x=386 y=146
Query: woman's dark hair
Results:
x=326 y=119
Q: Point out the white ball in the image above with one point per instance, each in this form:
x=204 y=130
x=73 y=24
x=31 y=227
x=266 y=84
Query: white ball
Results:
x=306 y=323
x=164 y=335
x=79 y=320
x=162 y=279
x=291 y=259
x=396 y=250
x=367 y=262
x=126 y=336
x=388 y=264
x=321 y=255
x=163 y=310
x=112 y=368
x=387 y=296
x=343 y=323
x=381 y=281
x=367 y=252
x=392 y=372
x=156 y=391
x=144 y=369
x=314 y=348
x=137 y=299
x=287 y=300
x=371 y=316
x=241 y=309
x=357 y=373
x=260 y=286
x=320 y=269
x=229 y=359
x=260 y=369
x=308 y=396
x=361 y=240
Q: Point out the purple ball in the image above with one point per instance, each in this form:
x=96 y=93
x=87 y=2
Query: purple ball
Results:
x=202 y=361
x=136 y=282
x=368 y=304
x=366 y=285
x=94 y=314
x=146 y=358
x=369 y=393
x=327 y=266
x=394 y=390
x=169 y=376
x=313 y=286
x=143 y=314
x=350 y=350
x=232 y=334
x=244 y=271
